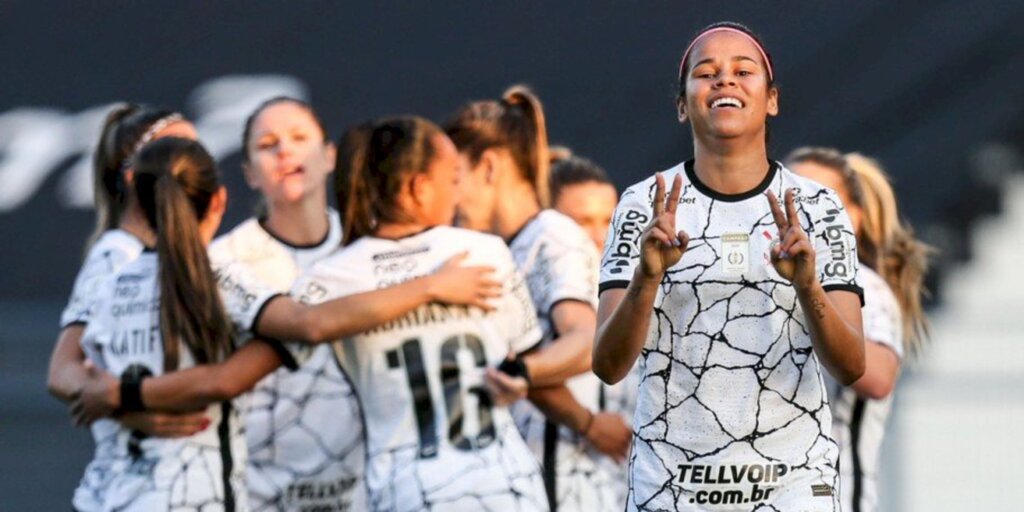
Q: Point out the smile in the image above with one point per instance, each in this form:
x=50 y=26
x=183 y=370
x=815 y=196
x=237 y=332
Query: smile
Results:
x=726 y=102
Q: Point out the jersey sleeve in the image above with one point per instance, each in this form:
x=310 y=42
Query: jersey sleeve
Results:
x=882 y=318
x=518 y=316
x=85 y=291
x=97 y=334
x=244 y=296
x=622 y=246
x=835 y=245
x=571 y=272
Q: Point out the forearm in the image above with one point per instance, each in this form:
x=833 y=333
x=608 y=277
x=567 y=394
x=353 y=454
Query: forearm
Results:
x=288 y=320
x=881 y=367
x=838 y=344
x=186 y=390
x=67 y=373
x=621 y=337
x=561 y=407
x=566 y=357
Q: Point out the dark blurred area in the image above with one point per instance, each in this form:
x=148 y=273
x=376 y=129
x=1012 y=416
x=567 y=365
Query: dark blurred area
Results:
x=933 y=89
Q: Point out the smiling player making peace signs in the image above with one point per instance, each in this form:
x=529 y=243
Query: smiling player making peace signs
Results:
x=730 y=300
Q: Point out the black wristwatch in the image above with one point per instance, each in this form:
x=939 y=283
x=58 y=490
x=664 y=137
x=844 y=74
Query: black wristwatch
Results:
x=131 y=388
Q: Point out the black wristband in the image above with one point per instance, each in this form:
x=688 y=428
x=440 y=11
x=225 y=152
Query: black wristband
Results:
x=516 y=368
x=131 y=393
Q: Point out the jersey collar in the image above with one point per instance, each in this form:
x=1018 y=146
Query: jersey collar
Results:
x=691 y=174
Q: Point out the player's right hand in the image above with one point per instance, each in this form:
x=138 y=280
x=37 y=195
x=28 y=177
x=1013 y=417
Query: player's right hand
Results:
x=662 y=246
x=461 y=285
x=157 y=424
x=98 y=397
x=611 y=435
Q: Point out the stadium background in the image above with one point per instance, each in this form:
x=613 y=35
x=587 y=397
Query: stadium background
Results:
x=932 y=88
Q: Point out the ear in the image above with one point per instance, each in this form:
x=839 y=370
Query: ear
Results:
x=681 y=109
x=773 y=101
x=419 y=185
x=490 y=160
x=219 y=201
x=251 y=176
x=331 y=153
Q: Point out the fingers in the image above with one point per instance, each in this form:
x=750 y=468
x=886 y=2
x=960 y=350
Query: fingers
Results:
x=673 y=197
x=794 y=219
x=658 y=206
x=684 y=240
x=780 y=219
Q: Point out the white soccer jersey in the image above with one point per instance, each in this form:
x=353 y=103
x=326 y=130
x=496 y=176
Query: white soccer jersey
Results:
x=303 y=427
x=204 y=471
x=435 y=440
x=732 y=412
x=560 y=264
x=107 y=255
x=858 y=424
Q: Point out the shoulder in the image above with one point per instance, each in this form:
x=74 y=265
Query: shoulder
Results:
x=812 y=196
x=115 y=244
x=234 y=243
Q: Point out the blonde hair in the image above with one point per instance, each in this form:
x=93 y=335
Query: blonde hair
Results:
x=888 y=245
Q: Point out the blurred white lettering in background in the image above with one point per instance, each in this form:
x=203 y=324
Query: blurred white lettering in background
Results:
x=36 y=142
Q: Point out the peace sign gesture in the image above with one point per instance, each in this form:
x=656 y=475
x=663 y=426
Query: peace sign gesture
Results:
x=662 y=246
x=792 y=255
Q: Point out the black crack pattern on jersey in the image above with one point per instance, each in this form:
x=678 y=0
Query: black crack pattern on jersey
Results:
x=279 y=408
x=719 y=361
x=406 y=480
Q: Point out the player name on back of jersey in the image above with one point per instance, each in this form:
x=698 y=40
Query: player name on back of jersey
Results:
x=430 y=314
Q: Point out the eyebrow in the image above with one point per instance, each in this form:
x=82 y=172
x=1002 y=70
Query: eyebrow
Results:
x=736 y=58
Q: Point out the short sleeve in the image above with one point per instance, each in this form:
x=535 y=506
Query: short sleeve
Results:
x=85 y=291
x=518 y=315
x=622 y=245
x=835 y=244
x=882 y=318
x=571 y=272
x=244 y=296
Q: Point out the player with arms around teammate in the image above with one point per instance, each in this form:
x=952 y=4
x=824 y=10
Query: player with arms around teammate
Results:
x=121 y=232
x=438 y=433
x=733 y=300
x=895 y=263
x=503 y=144
x=162 y=312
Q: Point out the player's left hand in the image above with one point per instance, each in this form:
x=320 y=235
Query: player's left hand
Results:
x=792 y=255
x=505 y=388
x=95 y=399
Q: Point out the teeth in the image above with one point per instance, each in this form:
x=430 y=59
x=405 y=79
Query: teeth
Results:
x=733 y=102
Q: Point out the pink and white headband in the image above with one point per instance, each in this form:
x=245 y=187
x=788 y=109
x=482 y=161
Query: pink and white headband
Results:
x=767 y=63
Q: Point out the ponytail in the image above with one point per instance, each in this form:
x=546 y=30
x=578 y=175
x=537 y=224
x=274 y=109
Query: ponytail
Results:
x=175 y=181
x=108 y=187
x=532 y=142
x=515 y=123
x=374 y=161
x=902 y=259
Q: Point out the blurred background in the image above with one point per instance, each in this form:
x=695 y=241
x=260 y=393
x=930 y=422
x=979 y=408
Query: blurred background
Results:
x=934 y=89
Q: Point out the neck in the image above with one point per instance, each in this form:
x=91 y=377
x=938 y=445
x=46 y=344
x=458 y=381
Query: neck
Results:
x=134 y=222
x=301 y=223
x=396 y=230
x=516 y=206
x=731 y=166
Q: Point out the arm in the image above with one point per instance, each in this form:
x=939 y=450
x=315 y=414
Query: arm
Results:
x=624 y=316
x=284 y=318
x=881 y=367
x=570 y=353
x=67 y=373
x=607 y=432
x=833 y=318
x=185 y=390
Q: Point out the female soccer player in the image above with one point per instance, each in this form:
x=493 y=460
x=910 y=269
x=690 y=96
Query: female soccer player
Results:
x=894 y=267
x=160 y=312
x=437 y=438
x=503 y=143
x=121 y=231
x=732 y=299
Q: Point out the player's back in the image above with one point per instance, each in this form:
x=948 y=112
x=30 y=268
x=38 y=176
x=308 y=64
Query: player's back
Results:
x=435 y=439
